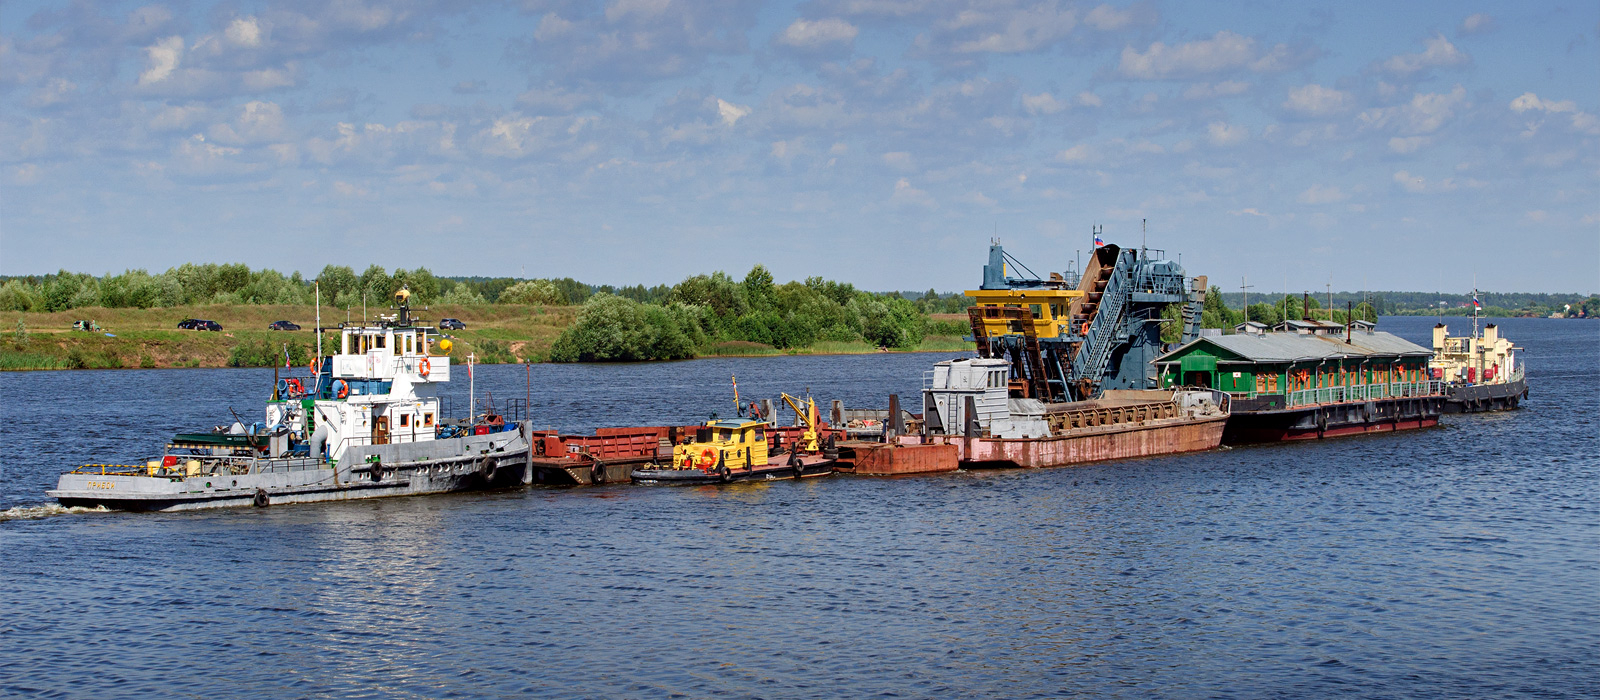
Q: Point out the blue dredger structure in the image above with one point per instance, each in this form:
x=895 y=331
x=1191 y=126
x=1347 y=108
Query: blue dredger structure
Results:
x=1071 y=336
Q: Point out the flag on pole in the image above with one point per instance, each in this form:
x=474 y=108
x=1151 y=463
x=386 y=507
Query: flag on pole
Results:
x=1097 y=240
x=286 y=364
x=1475 y=303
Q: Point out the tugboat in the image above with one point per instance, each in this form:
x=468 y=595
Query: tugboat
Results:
x=723 y=451
x=1481 y=371
x=366 y=423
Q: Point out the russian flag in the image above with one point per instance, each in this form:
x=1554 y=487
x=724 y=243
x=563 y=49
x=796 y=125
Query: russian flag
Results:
x=1098 y=241
x=1475 y=303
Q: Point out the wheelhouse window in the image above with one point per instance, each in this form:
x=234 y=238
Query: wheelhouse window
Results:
x=427 y=420
x=405 y=420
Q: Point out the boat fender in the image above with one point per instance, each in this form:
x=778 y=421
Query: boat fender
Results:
x=724 y=473
x=487 y=468
x=377 y=471
x=341 y=388
x=597 y=473
x=260 y=500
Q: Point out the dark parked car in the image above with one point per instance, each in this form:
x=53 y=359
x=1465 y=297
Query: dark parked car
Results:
x=199 y=324
x=452 y=324
x=283 y=326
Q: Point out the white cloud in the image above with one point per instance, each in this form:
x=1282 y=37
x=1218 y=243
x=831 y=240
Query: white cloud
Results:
x=1407 y=144
x=1080 y=153
x=1317 y=101
x=1581 y=121
x=1529 y=101
x=804 y=34
x=1015 y=30
x=1042 y=103
x=161 y=59
x=1537 y=216
x=1225 y=134
x=178 y=117
x=1424 y=114
x=1106 y=18
x=730 y=112
x=1420 y=185
x=1438 y=52
x=905 y=193
x=55 y=91
x=244 y=31
x=1248 y=211
x=257 y=122
x=1477 y=24
x=1318 y=194
x=1206 y=91
x=1089 y=99
x=1225 y=51
x=899 y=160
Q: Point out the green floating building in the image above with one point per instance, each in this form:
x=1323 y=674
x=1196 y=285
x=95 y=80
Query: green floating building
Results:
x=1310 y=379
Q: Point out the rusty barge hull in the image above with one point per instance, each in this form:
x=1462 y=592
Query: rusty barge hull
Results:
x=1333 y=420
x=1087 y=445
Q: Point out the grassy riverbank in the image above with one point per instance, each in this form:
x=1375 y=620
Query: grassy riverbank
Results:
x=149 y=338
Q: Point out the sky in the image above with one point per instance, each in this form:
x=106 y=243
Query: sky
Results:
x=1363 y=145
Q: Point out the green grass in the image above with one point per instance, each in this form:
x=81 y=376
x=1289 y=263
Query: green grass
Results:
x=14 y=360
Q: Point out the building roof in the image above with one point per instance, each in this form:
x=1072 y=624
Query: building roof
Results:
x=1299 y=347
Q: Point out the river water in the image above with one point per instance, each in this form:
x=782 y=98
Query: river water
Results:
x=1460 y=561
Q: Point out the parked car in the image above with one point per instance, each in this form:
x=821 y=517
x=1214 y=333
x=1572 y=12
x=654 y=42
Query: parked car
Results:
x=199 y=324
x=283 y=326
x=452 y=324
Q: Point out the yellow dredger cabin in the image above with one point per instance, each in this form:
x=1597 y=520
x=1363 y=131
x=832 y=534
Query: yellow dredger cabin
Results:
x=1049 y=311
x=735 y=444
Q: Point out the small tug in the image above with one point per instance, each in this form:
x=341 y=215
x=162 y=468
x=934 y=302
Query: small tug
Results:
x=366 y=423
x=723 y=451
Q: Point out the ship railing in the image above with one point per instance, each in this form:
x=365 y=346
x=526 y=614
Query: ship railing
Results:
x=1361 y=392
x=112 y=469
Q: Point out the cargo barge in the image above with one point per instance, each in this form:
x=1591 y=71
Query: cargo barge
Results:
x=1310 y=379
x=970 y=408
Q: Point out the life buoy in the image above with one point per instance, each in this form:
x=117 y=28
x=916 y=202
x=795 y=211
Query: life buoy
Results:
x=708 y=455
x=312 y=366
x=341 y=388
x=423 y=367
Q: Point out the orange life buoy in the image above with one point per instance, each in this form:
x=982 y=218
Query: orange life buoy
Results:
x=312 y=366
x=707 y=455
x=343 y=388
x=424 y=367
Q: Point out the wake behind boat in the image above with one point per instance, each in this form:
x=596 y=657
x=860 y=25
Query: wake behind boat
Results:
x=366 y=423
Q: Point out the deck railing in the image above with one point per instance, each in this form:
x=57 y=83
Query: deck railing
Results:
x=1354 y=392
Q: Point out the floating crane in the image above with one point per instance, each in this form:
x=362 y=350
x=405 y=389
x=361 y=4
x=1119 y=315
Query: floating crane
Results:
x=1070 y=337
x=807 y=415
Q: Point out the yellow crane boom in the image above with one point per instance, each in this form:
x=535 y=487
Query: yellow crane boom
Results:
x=808 y=415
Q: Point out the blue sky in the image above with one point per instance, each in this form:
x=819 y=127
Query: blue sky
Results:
x=881 y=142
